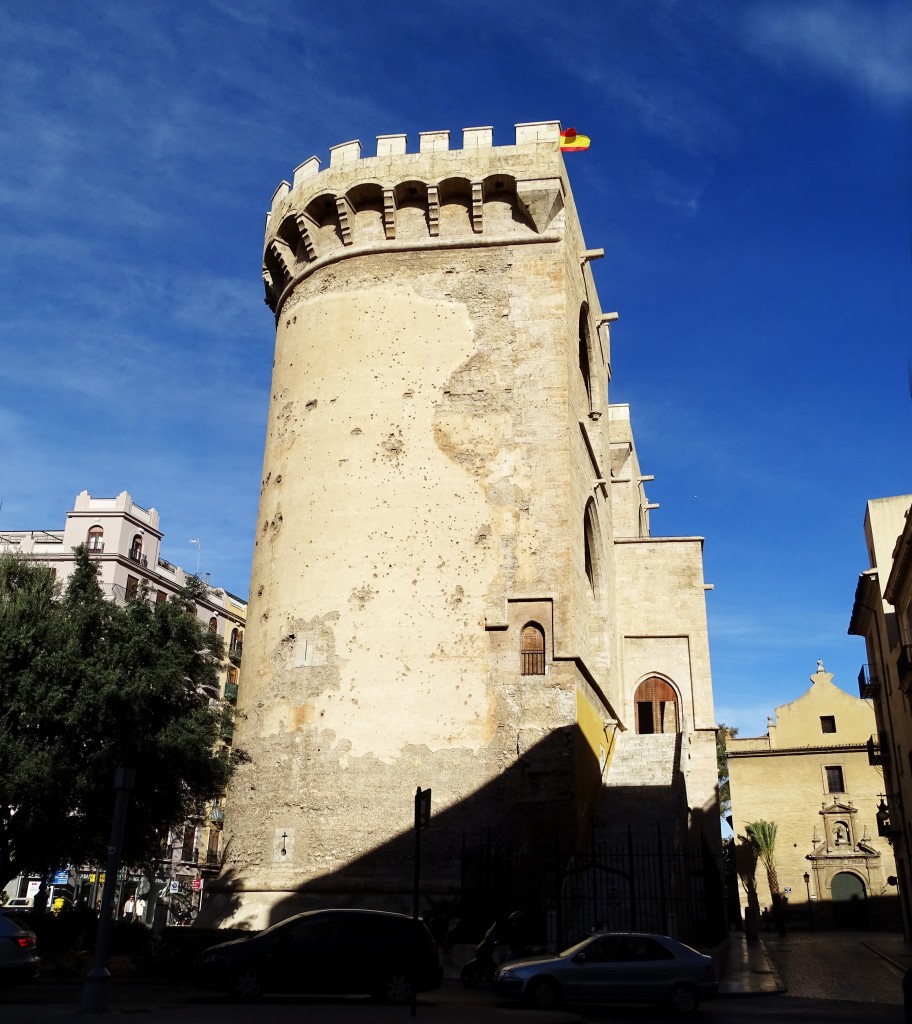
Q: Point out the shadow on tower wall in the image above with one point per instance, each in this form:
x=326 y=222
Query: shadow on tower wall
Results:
x=523 y=841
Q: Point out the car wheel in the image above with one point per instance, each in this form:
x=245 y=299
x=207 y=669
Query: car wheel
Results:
x=544 y=994
x=247 y=985
x=684 y=999
x=397 y=988
x=470 y=975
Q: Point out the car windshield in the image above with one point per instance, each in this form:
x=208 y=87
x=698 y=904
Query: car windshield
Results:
x=570 y=950
x=17 y=921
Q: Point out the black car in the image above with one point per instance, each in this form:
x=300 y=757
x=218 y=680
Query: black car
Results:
x=337 y=952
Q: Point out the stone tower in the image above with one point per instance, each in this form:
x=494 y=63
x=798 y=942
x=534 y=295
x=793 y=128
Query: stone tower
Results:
x=454 y=585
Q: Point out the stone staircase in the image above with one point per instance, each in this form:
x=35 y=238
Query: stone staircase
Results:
x=643 y=794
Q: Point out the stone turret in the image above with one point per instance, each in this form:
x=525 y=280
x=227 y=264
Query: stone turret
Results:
x=433 y=600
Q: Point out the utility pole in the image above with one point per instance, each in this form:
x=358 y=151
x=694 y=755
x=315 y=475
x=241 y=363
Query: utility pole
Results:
x=95 y=989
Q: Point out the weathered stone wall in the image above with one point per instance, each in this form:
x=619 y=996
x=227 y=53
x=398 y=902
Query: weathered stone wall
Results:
x=436 y=477
x=422 y=499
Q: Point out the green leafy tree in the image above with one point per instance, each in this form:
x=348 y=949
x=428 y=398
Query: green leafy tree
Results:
x=87 y=686
x=723 y=734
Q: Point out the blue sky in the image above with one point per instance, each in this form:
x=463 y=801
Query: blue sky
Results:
x=750 y=180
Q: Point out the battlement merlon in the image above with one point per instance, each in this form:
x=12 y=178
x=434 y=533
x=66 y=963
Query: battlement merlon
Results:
x=361 y=203
x=536 y=133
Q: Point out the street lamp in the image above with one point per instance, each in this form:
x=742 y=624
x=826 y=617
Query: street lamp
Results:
x=95 y=988
x=807 y=885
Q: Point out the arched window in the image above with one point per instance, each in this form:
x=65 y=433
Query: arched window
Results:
x=95 y=539
x=532 y=650
x=136 y=549
x=235 y=639
x=656 y=707
x=592 y=550
x=213 y=625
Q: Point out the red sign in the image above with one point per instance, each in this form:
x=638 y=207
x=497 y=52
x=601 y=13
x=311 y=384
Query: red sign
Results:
x=196 y=884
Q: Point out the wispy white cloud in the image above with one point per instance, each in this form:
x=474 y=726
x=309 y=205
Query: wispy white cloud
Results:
x=863 y=44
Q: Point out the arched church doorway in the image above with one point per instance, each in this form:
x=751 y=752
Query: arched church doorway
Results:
x=850 y=909
x=656 y=706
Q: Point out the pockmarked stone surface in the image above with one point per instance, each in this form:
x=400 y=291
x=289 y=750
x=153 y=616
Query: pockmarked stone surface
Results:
x=455 y=585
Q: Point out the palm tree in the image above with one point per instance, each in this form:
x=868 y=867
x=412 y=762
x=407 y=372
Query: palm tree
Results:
x=762 y=835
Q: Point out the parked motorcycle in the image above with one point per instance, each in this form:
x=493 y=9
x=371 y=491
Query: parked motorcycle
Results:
x=483 y=965
x=492 y=951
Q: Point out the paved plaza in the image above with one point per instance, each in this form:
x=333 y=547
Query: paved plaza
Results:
x=853 y=966
x=842 y=968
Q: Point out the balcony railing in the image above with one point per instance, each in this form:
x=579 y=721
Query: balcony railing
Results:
x=217 y=815
x=904 y=667
x=877 y=753
x=868 y=681
x=227 y=731
x=231 y=691
x=139 y=558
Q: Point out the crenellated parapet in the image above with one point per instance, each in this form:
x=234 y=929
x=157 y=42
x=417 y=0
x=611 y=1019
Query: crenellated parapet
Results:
x=437 y=197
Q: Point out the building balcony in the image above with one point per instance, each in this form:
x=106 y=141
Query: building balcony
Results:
x=904 y=668
x=868 y=681
x=878 y=753
x=234 y=654
x=227 y=731
x=139 y=558
x=231 y=691
x=217 y=815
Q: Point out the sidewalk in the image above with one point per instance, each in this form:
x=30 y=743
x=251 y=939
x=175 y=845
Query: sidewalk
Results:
x=892 y=948
x=748 y=970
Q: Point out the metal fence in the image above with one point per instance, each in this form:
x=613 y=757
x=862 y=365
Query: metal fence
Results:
x=622 y=885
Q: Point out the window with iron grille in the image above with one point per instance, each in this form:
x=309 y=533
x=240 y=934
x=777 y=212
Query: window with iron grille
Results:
x=532 y=648
x=835 y=783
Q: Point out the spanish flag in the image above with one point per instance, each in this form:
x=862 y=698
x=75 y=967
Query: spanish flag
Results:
x=571 y=141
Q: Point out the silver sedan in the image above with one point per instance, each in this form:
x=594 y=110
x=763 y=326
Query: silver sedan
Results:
x=629 y=967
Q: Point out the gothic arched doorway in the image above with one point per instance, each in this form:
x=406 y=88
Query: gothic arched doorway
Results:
x=850 y=909
x=656 y=706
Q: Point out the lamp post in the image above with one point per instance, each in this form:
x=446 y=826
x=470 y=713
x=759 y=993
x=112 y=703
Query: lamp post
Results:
x=95 y=989
x=807 y=885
